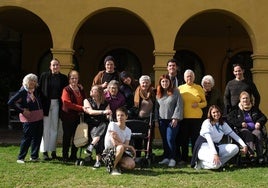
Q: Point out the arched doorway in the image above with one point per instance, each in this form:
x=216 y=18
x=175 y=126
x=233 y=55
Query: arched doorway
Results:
x=24 y=37
x=212 y=34
x=116 y=32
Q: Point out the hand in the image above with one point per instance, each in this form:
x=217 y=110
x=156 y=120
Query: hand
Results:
x=216 y=159
x=257 y=126
x=104 y=85
x=26 y=112
x=156 y=124
x=133 y=151
x=107 y=112
x=174 y=123
x=244 y=125
x=244 y=150
x=195 y=105
x=84 y=108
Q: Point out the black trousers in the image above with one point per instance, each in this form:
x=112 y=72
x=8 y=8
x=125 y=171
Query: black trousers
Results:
x=69 y=128
x=189 y=131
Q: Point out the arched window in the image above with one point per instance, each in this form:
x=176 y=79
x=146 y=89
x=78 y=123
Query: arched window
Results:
x=243 y=58
x=189 y=60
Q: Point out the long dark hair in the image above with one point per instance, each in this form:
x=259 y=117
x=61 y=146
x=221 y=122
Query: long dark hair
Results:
x=221 y=121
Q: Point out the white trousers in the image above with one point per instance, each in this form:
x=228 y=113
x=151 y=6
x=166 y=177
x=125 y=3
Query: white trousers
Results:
x=226 y=152
x=50 y=131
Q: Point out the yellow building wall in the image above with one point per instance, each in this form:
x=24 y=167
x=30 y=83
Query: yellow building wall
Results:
x=164 y=18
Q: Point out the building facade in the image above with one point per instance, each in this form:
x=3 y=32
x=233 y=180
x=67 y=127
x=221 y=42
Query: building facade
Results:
x=206 y=36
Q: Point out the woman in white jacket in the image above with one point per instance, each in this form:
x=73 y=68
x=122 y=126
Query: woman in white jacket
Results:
x=208 y=152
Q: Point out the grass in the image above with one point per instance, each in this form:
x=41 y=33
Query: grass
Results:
x=57 y=174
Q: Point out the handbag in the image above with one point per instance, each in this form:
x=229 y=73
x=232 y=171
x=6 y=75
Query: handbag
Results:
x=81 y=133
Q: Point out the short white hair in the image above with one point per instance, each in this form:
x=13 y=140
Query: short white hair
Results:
x=189 y=71
x=28 y=78
x=208 y=78
x=145 y=77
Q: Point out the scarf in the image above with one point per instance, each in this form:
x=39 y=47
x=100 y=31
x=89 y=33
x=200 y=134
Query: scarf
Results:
x=245 y=107
x=139 y=94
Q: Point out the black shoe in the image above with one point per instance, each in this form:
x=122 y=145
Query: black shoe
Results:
x=45 y=156
x=53 y=155
x=72 y=158
x=65 y=160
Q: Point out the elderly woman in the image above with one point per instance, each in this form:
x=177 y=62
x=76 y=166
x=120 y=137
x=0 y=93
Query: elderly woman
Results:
x=249 y=121
x=72 y=98
x=28 y=104
x=144 y=101
x=194 y=100
x=213 y=96
x=115 y=98
x=144 y=98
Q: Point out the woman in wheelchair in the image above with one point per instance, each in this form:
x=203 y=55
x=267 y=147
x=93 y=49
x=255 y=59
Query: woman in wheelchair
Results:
x=249 y=122
x=118 y=136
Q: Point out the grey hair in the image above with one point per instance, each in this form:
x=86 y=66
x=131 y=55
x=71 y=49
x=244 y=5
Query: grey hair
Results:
x=28 y=78
x=145 y=77
x=189 y=71
x=208 y=78
x=113 y=82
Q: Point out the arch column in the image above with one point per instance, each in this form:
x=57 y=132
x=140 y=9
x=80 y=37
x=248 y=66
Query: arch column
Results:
x=65 y=56
x=160 y=66
x=260 y=77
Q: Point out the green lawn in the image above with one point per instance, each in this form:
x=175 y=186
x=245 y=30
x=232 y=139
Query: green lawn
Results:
x=58 y=174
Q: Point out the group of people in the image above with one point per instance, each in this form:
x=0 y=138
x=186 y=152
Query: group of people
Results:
x=183 y=112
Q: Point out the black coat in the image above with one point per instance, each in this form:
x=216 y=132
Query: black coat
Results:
x=236 y=117
x=44 y=87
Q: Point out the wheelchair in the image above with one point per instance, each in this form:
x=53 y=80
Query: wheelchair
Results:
x=241 y=159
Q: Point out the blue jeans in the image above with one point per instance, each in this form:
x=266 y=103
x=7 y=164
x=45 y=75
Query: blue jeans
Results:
x=168 y=135
x=32 y=136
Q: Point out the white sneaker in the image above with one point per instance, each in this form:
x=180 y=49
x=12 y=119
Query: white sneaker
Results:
x=115 y=172
x=20 y=161
x=172 y=163
x=164 y=161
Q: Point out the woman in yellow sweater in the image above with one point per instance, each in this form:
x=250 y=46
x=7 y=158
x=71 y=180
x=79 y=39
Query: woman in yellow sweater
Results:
x=194 y=100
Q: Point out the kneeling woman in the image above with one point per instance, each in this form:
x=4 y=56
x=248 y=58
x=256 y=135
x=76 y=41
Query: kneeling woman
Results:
x=118 y=136
x=208 y=153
